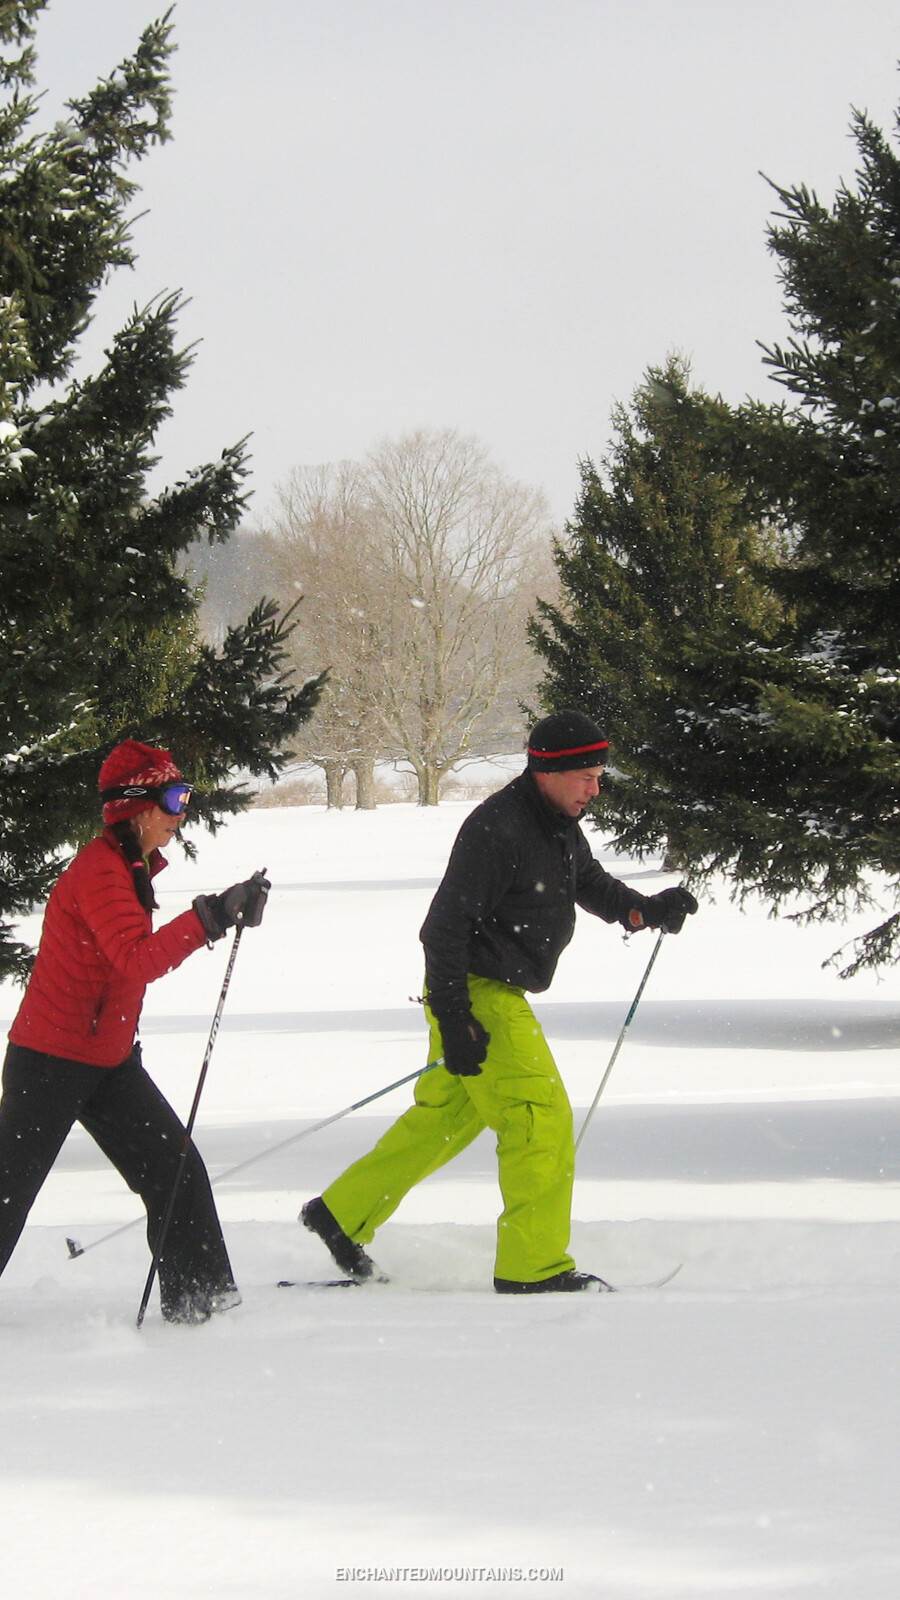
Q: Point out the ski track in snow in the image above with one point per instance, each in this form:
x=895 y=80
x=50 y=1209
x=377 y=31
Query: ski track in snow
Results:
x=733 y=1434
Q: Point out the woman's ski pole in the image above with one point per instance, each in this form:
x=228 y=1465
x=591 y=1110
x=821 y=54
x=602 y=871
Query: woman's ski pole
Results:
x=186 y=1142
x=618 y=1044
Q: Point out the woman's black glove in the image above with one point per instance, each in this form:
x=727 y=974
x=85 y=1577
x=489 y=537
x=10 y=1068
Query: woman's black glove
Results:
x=465 y=1044
x=668 y=909
x=243 y=903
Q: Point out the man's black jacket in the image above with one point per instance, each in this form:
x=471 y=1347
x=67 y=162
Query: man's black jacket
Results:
x=506 y=906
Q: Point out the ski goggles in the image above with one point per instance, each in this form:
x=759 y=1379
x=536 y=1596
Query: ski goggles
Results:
x=173 y=798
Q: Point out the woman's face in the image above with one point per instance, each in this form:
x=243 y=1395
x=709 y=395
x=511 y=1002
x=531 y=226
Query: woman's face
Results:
x=155 y=828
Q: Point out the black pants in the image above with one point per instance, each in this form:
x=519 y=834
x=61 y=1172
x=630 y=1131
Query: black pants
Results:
x=138 y=1131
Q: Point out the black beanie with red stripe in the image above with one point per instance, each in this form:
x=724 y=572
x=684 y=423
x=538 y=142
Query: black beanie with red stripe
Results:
x=566 y=740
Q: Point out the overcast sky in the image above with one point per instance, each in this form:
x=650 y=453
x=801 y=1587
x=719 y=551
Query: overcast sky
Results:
x=490 y=215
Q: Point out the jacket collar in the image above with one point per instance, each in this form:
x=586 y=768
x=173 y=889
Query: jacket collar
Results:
x=551 y=820
x=156 y=861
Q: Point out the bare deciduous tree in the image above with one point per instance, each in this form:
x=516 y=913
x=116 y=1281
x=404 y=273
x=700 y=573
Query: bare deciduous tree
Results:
x=320 y=545
x=462 y=543
x=419 y=567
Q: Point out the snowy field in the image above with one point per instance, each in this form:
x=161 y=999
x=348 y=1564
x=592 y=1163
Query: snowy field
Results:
x=734 y=1434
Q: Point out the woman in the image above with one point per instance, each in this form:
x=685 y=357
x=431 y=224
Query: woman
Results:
x=73 y=1054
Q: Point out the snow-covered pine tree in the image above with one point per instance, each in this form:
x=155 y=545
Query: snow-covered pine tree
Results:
x=828 y=468
x=659 y=596
x=790 y=773
x=97 y=638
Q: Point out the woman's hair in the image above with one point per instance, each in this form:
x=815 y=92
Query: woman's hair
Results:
x=131 y=849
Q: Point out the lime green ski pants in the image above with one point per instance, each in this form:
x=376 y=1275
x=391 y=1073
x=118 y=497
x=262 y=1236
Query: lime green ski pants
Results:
x=519 y=1094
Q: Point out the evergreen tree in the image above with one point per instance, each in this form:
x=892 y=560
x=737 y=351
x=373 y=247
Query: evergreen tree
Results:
x=659 y=597
x=819 y=755
x=97 y=636
x=790 y=771
x=829 y=468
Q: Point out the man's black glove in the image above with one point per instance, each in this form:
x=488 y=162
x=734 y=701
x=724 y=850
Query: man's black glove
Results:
x=668 y=909
x=465 y=1044
x=243 y=903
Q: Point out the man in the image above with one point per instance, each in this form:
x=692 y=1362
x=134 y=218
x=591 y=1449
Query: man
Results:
x=497 y=926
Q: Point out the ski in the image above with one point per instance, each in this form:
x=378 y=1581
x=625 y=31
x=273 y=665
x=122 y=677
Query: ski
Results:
x=321 y=1283
x=658 y=1283
x=360 y=1283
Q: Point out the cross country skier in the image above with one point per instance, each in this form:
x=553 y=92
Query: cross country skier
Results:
x=497 y=926
x=73 y=1055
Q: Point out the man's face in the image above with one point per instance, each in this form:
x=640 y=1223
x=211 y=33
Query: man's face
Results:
x=570 y=792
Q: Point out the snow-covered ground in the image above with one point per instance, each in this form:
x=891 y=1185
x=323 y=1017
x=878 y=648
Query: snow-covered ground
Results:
x=733 y=1434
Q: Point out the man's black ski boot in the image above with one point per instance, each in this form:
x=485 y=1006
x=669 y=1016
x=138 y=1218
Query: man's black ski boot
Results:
x=561 y=1283
x=349 y=1256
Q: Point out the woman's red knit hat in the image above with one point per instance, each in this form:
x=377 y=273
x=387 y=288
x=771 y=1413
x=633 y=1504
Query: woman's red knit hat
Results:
x=132 y=762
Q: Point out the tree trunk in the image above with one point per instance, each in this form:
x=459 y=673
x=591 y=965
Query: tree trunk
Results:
x=334 y=784
x=364 y=773
x=429 y=779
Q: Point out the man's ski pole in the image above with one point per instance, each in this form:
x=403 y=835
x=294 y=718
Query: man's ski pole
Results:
x=186 y=1142
x=316 y=1127
x=618 y=1044
x=75 y=1249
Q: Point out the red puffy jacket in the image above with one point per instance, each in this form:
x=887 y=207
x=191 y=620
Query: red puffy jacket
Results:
x=97 y=954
